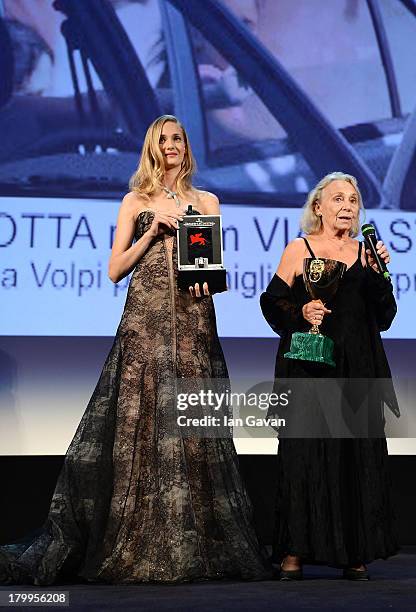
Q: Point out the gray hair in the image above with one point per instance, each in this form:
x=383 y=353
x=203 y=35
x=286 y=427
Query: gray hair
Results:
x=310 y=222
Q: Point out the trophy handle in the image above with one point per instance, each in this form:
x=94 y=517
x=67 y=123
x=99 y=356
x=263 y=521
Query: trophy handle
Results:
x=314 y=329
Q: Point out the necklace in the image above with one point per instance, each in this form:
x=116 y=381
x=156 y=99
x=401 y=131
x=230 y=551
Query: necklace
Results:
x=172 y=195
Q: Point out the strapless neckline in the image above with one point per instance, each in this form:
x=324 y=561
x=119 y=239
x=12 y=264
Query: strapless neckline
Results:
x=153 y=211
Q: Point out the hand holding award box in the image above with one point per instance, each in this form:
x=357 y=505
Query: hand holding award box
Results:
x=200 y=252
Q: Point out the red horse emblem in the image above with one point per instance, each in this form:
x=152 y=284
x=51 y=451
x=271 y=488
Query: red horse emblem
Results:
x=198 y=239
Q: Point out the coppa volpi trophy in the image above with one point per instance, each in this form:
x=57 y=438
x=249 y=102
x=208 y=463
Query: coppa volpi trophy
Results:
x=200 y=254
x=321 y=278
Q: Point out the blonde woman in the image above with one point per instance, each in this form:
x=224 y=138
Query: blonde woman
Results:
x=137 y=501
x=333 y=503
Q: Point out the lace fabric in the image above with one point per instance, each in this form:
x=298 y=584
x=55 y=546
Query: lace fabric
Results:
x=136 y=501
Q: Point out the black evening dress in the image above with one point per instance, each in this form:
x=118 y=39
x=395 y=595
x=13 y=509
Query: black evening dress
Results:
x=137 y=501
x=333 y=498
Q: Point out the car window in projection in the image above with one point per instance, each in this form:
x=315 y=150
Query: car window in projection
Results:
x=400 y=29
x=66 y=130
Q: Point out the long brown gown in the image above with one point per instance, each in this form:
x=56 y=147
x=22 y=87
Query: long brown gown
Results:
x=136 y=502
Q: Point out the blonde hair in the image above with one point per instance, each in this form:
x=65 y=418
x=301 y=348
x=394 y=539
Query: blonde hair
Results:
x=310 y=222
x=148 y=177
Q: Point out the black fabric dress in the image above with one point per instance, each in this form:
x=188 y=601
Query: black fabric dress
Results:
x=333 y=498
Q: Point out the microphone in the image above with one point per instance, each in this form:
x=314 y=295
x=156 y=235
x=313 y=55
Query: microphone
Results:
x=370 y=238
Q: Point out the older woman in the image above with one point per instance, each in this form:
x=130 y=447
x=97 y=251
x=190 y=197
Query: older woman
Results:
x=333 y=494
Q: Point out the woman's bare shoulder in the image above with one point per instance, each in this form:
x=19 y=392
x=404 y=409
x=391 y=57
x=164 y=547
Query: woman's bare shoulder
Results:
x=207 y=195
x=133 y=204
x=295 y=246
x=290 y=261
x=209 y=201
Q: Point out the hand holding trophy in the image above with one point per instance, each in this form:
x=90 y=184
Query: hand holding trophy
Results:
x=314 y=312
x=321 y=278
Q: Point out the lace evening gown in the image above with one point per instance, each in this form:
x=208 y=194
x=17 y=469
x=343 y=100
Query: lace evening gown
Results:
x=333 y=502
x=136 y=502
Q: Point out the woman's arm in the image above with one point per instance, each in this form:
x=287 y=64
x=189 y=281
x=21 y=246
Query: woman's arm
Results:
x=290 y=261
x=125 y=255
x=278 y=304
x=279 y=307
x=379 y=290
x=210 y=203
x=380 y=295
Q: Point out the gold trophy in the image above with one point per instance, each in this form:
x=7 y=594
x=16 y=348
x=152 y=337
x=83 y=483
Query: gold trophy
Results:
x=321 y=277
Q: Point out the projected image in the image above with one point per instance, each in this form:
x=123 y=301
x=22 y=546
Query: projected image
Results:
x=269 y=111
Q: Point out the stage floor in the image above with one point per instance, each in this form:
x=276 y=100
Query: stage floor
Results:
x=392 y=587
